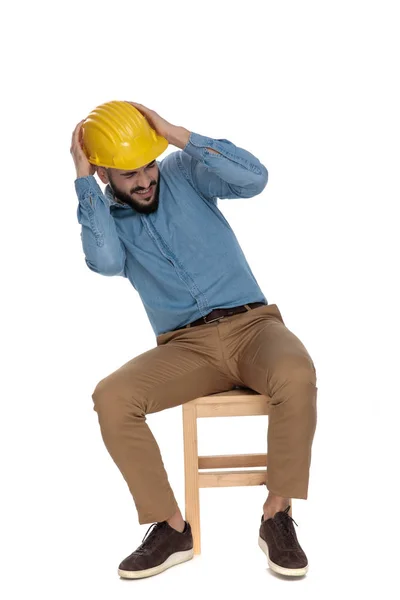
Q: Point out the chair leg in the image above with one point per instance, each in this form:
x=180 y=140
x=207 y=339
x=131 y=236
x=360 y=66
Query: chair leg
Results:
x=192 y=494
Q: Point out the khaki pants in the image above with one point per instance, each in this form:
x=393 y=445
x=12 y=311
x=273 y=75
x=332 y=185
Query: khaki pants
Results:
x=253 y=349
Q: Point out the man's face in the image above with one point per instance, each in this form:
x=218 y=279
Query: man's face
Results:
x=138 y=188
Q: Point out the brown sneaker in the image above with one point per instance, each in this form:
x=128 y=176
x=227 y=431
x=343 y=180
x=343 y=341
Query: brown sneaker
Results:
x=163 y=548
x=279 y=542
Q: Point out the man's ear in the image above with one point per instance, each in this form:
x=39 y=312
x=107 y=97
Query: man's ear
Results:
x=102 y=173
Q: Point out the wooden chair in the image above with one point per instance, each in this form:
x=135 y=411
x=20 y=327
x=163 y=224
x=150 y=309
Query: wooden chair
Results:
x=234 y=403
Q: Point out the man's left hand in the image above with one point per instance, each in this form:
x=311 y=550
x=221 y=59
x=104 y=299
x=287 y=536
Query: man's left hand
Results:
x=178 y=136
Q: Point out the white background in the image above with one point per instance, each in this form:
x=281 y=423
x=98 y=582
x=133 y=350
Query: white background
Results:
x=310 y=88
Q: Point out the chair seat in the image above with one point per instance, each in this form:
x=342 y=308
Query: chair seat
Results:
x=233 y=403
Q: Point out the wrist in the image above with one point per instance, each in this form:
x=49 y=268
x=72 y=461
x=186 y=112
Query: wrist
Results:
x=83 y=174
x=178 y=136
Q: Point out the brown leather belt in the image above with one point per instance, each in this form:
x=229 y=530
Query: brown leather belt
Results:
x=220 y=313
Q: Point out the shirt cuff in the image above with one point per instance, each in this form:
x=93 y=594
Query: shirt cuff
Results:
x=198 y=144
x=85 y=185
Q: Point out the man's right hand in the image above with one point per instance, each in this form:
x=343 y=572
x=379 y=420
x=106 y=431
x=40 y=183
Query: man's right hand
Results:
x=83 y=167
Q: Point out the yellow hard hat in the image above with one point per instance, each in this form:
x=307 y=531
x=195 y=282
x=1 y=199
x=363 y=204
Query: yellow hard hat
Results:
x=118 y=136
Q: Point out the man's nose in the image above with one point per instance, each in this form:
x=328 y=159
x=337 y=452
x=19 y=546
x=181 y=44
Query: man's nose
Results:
x=143 y=180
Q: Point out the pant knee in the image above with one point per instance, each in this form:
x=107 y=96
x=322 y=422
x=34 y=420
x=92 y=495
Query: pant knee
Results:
x=102 y=395
x=295 y=369
x=294 y=378
x=115 y=406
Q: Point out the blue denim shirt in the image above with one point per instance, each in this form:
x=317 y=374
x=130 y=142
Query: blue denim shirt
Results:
x=184 y=259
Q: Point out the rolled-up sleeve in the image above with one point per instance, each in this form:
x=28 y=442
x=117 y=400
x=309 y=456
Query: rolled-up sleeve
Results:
x=104 y=252
x=231 y=172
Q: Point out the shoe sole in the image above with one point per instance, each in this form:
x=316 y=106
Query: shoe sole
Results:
x=174 y=559
x=281 y=570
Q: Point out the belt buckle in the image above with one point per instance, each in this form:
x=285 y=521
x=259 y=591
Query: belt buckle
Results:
x=212 y=320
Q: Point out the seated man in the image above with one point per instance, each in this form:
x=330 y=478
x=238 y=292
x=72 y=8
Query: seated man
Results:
x=158 y=224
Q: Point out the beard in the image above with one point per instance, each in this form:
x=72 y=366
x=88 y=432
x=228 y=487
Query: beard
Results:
x=144 y=207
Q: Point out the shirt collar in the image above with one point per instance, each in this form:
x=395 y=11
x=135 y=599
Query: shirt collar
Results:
x=111 y=199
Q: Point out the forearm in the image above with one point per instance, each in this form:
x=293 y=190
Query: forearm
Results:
x=101 y=245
